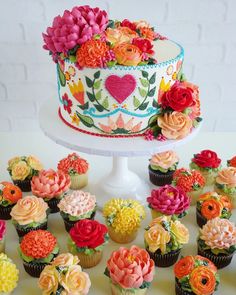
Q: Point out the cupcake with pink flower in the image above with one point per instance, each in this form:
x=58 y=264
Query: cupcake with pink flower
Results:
x=77 y=168
x=131 y=271
x=76 y=206
x=217 y=241
x=168 y=200
x=51 y=186
x=2 y=235
x=162 y=167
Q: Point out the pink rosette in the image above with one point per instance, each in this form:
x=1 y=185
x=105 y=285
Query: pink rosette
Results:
x=50 y=184
x=2 y=229
x=169 y=200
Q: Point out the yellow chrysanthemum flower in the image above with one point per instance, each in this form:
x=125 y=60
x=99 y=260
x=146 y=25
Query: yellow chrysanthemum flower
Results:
x=113 y=206
x=9 y=275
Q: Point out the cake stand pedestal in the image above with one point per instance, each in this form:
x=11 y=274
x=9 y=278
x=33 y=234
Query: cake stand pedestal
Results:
x=121 y=182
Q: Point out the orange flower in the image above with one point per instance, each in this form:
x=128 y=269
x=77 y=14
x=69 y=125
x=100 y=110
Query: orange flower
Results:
x=210 y=264
x=188 y=180
x=211 y=208
x=206 y=196
x=127 y=54
x=184 y=267
x=226 y=202
x=232 y=162
x=202 y=281
x=147 y=33
x=120 y=35
x=11 y=192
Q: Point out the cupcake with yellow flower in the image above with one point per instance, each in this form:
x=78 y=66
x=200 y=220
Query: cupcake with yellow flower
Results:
x=164 y=239
x=123 y=218
x=22 y=169
x=9 y=275
x=64 y=276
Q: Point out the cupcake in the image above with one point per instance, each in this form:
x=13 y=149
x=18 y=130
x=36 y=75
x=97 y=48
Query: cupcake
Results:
x=64 y=276
x=123 y=218
x=29 y=213
x=217 y=241
x=195 y=275
x=162 y=167
x=191 y=181
x=22 y=169
x=76 y=206
x=2 y=235
x=9 y=195
x=87 y=240
x=77 y=168
x=37 y=249
x=168 y=200
x=208 y=163
x=51 y=186
x=211 y=205
x=9 y=275
x=164 y=239
x=232 y=162
x=225 y=183
x=131 y=271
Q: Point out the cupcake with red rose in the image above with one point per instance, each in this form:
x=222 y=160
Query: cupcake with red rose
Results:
x=208 y=163
x=22 y=169
x=2 y=235
x=130 y=271
x=87 y=241
x=211 y=205
x=77 y=168
x=232 y=162
x=162 y=166
x=51 y=186
x=195 y=275
x=29 y=213
x=225 y=183
x=76 y=206
x=9 y=195
x=217 y=241
x=191 y=181
x=164 y=239
x=37 y=249
x=168 y=200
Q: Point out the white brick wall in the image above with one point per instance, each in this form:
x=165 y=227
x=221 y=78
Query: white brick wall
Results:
x=205 y=28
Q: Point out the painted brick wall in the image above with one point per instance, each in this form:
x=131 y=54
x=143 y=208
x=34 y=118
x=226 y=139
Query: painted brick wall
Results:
x=205 y=28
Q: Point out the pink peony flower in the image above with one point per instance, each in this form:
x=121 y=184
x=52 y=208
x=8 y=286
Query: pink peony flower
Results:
x=50 y=184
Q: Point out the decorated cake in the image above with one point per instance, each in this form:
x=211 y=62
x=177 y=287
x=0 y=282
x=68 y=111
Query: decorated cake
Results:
x=120 y=78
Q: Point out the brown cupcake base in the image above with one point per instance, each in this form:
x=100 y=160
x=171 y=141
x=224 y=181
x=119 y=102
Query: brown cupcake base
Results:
x=5 y=212
x=220 y=260
x=158 y=178
x=21 y=231
x=200 y=219
x=34 y=270
x=52 y=204
x=69 y=224
x=180 y=291
x=165 y=260
x=24 y=185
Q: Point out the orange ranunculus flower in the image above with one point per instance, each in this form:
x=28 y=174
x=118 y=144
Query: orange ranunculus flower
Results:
x=202 y=281
x=127 y=54
x=184 y=267
x=210 y=264
x=120 y=35
x=147 y=33
x=211 y=208
x=226 y=202
x=206 y=196
x=11 y=192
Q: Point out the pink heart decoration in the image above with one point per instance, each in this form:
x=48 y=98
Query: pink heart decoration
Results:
x=120 y=87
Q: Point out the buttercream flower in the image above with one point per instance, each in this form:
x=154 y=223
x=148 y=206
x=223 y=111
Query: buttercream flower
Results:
x=157 y=238
x=120 y=35
x=188 y=180
x=127 y=54
x=202 y=281
x=130 y=268
x=10 y=192
x=65 y=259
x=72 y=164
x=227 y=176
x=174 y=125
x=49 y=280
x=144 y=45
x=20 y=171
x=184 y=267
x=180 y=231
x=164 y=160
x=211 y=208
x=142 y=24
x=207 y=159
x=2 y=229
x=147 y=33
x=9 y=275
x=196 y=107
x=160 y=220
x=232 y=162
x=34 y=163
x=13 y=161
x=126 y=23
x=226 y=202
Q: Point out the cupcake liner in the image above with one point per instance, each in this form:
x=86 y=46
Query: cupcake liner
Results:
x=33 y=269
x=24 y=185
x=165 y=260
x=121 y=238
x=88 y=261
x=180 y=291
x=200 y=219
x=209 y=177
x=78 y=181
x=2 y=245
x=220 y=261
x=118 y=290
x=5 y=212
x=52 y=204
x=69 y=224
x=23 y=231
x=158 y=178
x=194 y=195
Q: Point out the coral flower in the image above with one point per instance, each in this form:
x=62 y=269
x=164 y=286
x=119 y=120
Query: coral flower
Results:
x=188 y=180
x=127 y=54
x=202 y=281
x=147 y=33
x=211 y=208
x=184 y=267
x=226 y=202
x=11 y=192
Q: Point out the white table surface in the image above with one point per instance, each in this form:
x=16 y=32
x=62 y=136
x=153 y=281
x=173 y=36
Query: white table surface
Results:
x=12 y=144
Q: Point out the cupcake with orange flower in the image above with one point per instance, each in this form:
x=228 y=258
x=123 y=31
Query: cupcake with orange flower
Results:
x=191 y=181
x=2 y=235
x=195 y=275
x=217 y=241
x=130 y=271
x=232 y=162
x=37 y=249
x=22 y=169
x=164 y=239
x=211 y=205
x=9 y=195
x=87 y=241
x=77 y=168
x=29 y=213
x=51 y=186
x=64 y=276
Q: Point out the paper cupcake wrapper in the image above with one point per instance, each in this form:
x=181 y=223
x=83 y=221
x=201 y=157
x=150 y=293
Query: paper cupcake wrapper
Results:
x=180 y=291
x=200 y=219
x=34 y=270
x=78 y=181
x=88 y=261
x=194 y=195
x=118 y=290
x=23 y=231
x=5 y=212
x=165 y=260
x=2 y=245
x=52 y=204
x=24 y=185
x=69 y=224
x=160 y=179
x=121 y=238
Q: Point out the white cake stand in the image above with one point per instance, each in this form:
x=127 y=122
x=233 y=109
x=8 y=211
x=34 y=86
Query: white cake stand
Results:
x=121 y=182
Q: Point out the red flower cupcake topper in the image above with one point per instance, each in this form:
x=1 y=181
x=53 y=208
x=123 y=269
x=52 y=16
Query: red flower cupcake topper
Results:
x=188 y=180
x=206 y=159
x=72 y=164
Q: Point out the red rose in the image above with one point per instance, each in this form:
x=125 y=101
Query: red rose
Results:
x=144 y=45
x=178 y=97
x=207 y=159
x=88 y=233
x=128 y=24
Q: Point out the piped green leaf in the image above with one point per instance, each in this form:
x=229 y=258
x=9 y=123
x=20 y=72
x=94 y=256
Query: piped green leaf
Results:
x=153 y=79
x=90 y=96
x=144 y=82
x=89 y=82
x=98 y=95
x=86 y=120
x=105 y=103
x=142 y=92
x=136 y=102
x=97 y=84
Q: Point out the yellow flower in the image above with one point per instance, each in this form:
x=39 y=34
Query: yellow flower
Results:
x=9 y=275
x=4 y=257
x=159 y=220
x=75 y=119
x=34 y=163
x=20 y=171
x=49 y=280
x=157 y=238
x=113 y=206
x=126 y=221
x=13 y=161
x=180 y=231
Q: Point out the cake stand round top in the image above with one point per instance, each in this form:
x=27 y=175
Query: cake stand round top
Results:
x=55 y=129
